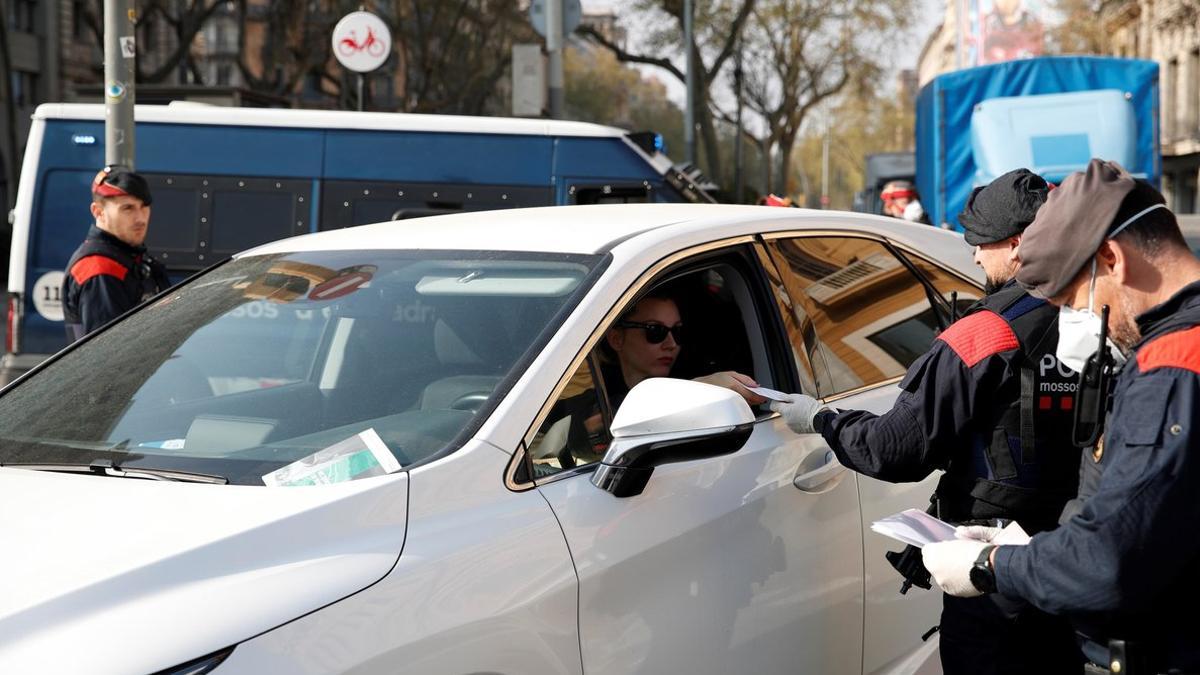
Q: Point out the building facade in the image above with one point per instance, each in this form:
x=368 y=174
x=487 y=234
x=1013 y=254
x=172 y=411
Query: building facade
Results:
x=1167 y=31
x=939 y=55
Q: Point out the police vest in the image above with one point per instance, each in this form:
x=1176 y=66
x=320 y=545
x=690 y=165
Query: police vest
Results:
x=141 y=276
x=1022 y=465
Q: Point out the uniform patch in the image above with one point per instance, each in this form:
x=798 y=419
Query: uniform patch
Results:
x=1180 y=349
x=978 y=336
x=95 y=265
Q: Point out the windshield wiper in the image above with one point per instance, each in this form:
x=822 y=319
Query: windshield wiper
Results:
x=107 y=467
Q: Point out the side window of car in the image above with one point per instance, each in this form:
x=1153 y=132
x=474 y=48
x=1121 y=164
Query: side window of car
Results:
x=576 y=431
x=949 y=285
x=871 y=318
x=693 y=324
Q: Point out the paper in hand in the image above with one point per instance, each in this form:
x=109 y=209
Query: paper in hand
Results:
x=1012 y=535
x=769 y=393
x=914 y=526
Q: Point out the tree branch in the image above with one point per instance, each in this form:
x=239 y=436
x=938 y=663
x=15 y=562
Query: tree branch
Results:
x=626 y=57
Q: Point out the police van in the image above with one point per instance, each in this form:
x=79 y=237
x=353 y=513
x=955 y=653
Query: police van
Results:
x=226 y=179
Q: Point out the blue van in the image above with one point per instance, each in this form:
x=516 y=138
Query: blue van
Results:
x=226 y=179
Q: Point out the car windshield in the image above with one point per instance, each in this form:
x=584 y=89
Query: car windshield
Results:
x=266 y=369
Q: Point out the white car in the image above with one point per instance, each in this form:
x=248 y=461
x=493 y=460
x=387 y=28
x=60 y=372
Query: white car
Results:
x=398 y=448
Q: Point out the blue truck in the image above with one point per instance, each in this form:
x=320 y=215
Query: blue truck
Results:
x=1050 y=114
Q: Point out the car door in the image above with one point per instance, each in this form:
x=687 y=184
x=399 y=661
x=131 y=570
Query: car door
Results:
x=869 y=312
x=721 y=565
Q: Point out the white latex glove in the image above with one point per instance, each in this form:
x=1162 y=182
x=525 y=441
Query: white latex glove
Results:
x=977 y=532
x=798 y=412
x=950 y=562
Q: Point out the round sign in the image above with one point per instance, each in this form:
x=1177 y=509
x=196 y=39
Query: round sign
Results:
x=361 y=41
x=47 y=295
x=346 y=282
x=572 y=14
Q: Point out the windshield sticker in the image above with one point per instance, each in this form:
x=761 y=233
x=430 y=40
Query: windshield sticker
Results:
x=360 y=456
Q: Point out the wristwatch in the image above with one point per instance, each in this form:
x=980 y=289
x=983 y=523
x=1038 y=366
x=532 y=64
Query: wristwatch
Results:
x=983 y=577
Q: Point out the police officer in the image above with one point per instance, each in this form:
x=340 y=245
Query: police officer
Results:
x=991 y=406
x=110 y=273
x=1124 y=567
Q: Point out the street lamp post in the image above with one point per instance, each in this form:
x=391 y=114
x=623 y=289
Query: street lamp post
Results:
x=554 y=51
x=120 y=51
x=739 y=192
x=689 y=124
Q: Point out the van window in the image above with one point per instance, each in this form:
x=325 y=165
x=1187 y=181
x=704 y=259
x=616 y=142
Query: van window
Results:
x=870 y=316
x=610 y=193
x=350 y=203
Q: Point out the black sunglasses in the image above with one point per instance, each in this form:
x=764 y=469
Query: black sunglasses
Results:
x=655 y=332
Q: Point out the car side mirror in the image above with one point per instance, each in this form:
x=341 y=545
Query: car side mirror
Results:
x=664 y=420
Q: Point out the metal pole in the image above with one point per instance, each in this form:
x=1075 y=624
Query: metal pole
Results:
x=739 y=192
x=689 y=123
x=825 y=169
x=360 y=92
x=554 y=49
x=12 y=166
x=119 y=55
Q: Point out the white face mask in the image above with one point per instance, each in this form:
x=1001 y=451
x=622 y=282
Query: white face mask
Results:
x=1079 y=329
x=1079 y=333
x=914 y=212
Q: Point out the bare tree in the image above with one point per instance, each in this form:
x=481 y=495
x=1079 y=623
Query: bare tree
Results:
x=456 y=52
x=184 y=19
x=293 y=40
x=717 y=26
x=449 y=56
x=801 y=52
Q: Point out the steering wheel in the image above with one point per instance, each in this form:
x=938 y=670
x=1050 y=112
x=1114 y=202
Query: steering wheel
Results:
x=470 y=402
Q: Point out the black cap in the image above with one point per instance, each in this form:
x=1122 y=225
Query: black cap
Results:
x=118 y=181
x=1003 y=207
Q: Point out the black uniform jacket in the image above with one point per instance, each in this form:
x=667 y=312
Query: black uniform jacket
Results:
x=1127 y=565
x=952 y=410
x=106 y=278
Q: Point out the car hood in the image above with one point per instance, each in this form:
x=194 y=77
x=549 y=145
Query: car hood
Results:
x=125 y=575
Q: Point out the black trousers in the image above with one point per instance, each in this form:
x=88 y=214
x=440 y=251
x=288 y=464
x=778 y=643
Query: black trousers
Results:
x=978 y=637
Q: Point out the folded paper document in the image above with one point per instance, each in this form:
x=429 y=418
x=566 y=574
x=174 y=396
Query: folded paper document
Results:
x=768 y=393
x=914 y=526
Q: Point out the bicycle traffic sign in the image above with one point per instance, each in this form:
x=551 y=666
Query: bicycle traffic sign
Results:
x=361 y=41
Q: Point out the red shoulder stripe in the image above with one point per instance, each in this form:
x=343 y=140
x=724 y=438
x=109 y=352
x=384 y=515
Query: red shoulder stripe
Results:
x=978 y=336
x=1180 y=349
x=95 y=265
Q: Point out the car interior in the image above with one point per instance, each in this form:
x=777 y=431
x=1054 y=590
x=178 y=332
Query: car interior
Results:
x=722 y=332
x=414 y=356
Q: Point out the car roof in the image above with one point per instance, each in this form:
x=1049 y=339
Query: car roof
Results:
x=199 y=113
x=601 y=228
